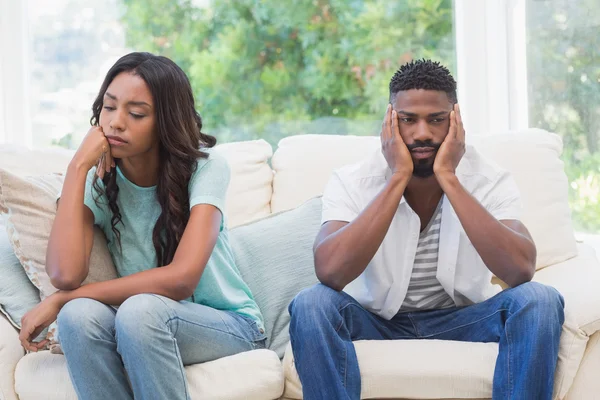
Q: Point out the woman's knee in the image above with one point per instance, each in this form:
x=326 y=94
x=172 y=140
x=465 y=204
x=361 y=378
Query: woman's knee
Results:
x=141 y=313
x=83 y=317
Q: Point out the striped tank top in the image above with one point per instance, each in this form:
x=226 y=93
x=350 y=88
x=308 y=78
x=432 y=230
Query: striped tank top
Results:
x=424 y=290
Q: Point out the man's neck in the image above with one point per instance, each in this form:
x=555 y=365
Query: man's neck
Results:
x=423 y=194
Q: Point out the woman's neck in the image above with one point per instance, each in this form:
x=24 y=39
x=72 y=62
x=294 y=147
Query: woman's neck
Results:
x=142 y=170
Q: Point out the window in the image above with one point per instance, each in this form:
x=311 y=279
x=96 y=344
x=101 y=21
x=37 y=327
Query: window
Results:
x=73 y=44
x=563 y=68
x=259 y=69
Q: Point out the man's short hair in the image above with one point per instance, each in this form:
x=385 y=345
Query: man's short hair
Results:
x=423 y=74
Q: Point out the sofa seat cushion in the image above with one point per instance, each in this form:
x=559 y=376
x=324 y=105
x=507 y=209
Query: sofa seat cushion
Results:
x=407 y=369
x=253 y=375
x=10 y=354
x=578 y=280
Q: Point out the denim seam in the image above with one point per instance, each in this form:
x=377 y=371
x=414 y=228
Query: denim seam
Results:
x=470 y=323
x=509 y=370
x=174 y=343
x=413 y=324
x=179 y=319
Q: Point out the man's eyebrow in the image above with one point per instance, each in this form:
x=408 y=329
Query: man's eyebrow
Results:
x=409 y=114
x=435 y=114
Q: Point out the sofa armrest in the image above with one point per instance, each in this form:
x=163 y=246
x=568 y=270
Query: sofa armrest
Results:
x=578 y=280
x=10 y=354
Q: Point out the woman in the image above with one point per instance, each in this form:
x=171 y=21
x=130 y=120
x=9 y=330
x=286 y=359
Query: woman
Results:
x=146 y=175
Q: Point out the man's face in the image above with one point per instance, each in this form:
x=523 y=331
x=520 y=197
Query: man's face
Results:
x=423 y=120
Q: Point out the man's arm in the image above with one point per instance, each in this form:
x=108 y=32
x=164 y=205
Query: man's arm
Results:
x=505 y=246
x=343 y=250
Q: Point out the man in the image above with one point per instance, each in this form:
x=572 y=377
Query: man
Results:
x=409 y=241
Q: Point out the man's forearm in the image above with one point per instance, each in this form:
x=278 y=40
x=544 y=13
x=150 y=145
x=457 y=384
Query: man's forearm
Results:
x=344 y=255
x=507 y=253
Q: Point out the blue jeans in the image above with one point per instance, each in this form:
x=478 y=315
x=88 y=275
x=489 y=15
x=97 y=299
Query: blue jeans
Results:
x=140 y=349
x=526 y=321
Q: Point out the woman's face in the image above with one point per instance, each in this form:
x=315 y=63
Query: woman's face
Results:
x=128 y=117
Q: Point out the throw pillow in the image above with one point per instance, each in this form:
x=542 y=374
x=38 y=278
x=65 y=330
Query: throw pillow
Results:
x=275 y=257
x=17 y=293
x=29 y=205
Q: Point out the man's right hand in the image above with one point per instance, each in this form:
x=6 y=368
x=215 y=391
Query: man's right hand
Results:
x=393 y=147
x=94 y=150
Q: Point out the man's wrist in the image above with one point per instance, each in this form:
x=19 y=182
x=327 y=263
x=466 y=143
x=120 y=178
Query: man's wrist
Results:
x=446 y=180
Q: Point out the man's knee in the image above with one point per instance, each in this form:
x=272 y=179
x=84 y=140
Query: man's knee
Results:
x=316 y=303
x=541 y=300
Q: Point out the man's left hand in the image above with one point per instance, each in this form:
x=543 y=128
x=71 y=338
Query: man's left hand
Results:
x=452 y=149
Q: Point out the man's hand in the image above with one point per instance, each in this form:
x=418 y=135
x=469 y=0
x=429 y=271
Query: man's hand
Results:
x=393 y=147
x=452 y=149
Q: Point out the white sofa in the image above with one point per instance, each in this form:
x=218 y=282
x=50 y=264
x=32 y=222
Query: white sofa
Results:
x=264 y=183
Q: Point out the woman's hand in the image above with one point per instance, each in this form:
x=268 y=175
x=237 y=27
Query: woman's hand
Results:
x=38 y=319
x=94 y=150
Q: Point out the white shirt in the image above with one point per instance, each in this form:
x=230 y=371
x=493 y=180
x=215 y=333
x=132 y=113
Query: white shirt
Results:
x=382 y=286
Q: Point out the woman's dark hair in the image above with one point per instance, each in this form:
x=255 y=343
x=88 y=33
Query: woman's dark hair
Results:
x=178 y=125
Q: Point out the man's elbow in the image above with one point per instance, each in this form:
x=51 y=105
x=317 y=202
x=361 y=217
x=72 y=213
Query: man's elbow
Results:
x=523 y=274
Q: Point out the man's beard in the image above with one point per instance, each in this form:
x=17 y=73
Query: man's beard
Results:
x=424 y=168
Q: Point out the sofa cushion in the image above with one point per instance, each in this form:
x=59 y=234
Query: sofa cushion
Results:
x=17 y=293
x=531 y=156
x=251 y=185
x=275 y=258
x=415 y=369
x=533 y=159
x=29 y=207
x=253 y=375
x=10 y=354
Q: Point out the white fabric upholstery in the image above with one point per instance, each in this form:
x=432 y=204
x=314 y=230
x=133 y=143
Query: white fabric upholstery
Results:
x=424 y=369
x=578 y=280
x=532 y=157
x=586 y=384
x=254 y=375
x=10 y=354
x=250 y=189
x=303 y=165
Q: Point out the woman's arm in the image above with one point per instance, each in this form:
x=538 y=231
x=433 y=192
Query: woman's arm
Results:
x=177 y=280
x=71 y=237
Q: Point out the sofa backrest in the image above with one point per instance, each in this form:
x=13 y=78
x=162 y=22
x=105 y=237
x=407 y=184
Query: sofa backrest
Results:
x=303 y=165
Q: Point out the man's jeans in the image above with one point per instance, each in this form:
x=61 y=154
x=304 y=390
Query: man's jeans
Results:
x=151 y=337
x=526 y=321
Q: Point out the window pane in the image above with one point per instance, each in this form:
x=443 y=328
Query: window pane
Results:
x=259 y=69
x=74 y=43
x=563 y=42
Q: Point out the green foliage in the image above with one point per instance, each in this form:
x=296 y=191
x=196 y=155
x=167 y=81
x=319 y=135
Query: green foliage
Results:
x=268 y=69
x=564 y=93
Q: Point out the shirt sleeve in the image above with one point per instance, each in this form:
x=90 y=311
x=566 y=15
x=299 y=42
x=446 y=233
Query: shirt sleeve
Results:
x=93 y=200
x=504 y=200
x=209 y=183
x=337 y=202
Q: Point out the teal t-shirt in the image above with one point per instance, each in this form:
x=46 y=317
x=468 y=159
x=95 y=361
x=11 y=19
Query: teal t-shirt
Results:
x=221 y=285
